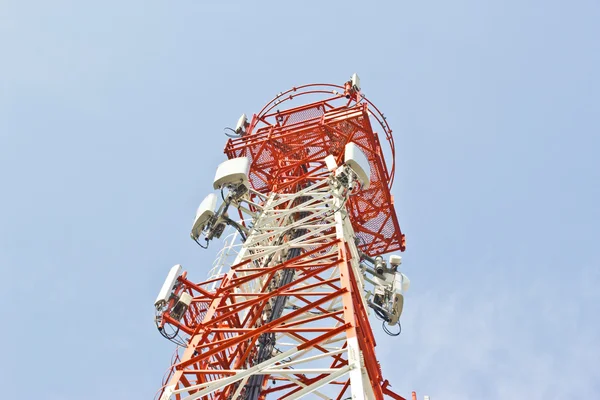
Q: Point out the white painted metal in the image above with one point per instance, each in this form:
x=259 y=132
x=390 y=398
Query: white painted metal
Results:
x=311 y=388
x=225 y=256
x=168 y=392
x=324 y=208
x=354 y=362
x=221 y=383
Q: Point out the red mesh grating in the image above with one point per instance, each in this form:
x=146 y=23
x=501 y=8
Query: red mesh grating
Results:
x=284 y=157
x=292 y=117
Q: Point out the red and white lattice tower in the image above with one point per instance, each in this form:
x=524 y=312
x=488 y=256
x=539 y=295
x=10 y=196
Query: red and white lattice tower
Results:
x=287 y=316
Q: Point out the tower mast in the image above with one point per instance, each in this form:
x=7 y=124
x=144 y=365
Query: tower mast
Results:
x=288 y=317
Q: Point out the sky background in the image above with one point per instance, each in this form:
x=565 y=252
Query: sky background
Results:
x=111 y=120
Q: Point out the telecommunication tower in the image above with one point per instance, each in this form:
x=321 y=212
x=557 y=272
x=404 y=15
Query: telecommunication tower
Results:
x=284 y=313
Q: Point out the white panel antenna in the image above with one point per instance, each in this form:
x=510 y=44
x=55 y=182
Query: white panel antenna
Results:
x=241 y=124
x=234 y=171
x=396 y=310
x=356 y=82
x=167 y=287
x=405 y=283
x=205 y=212
x=331 y=163
x=356 y=159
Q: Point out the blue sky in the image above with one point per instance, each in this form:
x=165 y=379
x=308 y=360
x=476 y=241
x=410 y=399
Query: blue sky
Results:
x=111 y=117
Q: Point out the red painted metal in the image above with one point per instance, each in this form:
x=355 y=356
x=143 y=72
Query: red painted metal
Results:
x=287 y=149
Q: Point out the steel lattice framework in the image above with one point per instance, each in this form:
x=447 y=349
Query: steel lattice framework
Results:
x=289 y=318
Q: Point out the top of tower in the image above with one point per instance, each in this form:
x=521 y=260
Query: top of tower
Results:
x=287 y=148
